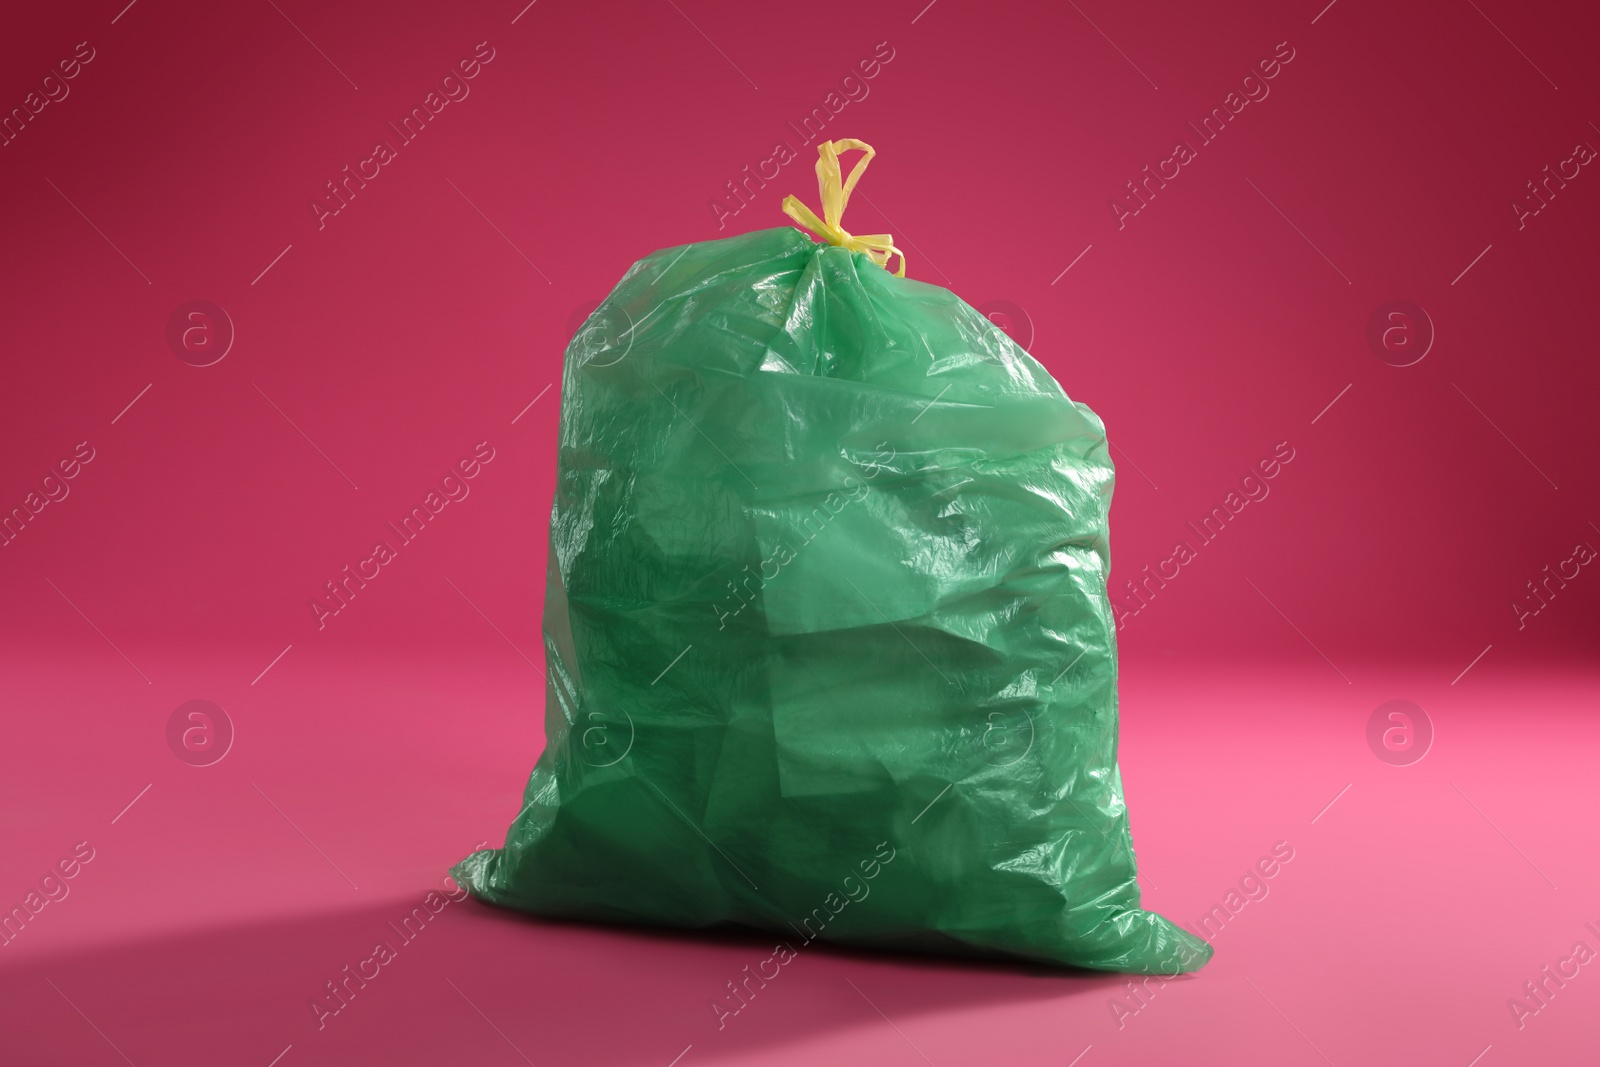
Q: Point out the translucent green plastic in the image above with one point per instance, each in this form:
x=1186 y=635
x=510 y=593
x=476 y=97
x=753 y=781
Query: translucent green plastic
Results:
x=828 y=642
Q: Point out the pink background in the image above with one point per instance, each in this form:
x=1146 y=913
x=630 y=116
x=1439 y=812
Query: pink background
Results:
x=373 y=353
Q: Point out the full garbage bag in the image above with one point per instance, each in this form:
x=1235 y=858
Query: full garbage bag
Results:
x=829 y=651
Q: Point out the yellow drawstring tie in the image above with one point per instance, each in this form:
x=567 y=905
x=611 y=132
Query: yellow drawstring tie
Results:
x=879 y=247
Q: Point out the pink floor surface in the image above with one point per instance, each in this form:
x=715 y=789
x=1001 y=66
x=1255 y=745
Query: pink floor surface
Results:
x=223 y=899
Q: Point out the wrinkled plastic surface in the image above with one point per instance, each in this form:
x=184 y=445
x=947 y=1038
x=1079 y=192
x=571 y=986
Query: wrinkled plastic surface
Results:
x=828 y=642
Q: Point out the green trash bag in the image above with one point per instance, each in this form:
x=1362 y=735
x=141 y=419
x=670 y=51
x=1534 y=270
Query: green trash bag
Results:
x=828 y=641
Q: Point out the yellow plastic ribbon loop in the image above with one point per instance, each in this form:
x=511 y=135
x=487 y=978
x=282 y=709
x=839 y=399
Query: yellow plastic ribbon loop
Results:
x=878 y=247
